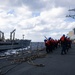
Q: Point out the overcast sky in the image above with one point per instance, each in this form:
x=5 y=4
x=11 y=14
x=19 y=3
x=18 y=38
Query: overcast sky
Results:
x=36 y=18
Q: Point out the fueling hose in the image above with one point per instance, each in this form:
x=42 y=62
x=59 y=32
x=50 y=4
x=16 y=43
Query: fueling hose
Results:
x=24 y=59
x=35 y=64
x=30 y=59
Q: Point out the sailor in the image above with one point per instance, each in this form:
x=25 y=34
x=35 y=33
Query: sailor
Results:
x=56 y=43
x=63 y=44
x=47 y=45
x=70 y=42
x=50 y=44
x=67 y=44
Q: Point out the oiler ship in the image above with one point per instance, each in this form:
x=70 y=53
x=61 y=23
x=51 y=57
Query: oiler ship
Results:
x=12 y=43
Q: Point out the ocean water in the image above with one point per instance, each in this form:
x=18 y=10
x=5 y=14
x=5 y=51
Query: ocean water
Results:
x=33 y=46
x=37 y=45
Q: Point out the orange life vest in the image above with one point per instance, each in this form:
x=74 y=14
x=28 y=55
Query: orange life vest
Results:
x=48 y=42
x=62 y=38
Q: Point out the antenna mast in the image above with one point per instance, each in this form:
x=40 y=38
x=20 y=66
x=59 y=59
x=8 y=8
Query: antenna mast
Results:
x=71 y=15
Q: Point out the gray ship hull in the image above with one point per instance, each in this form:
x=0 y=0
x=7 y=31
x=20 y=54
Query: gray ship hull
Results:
x=16 y=44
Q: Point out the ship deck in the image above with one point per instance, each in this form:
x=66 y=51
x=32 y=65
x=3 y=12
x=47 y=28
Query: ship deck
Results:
x=54 y=64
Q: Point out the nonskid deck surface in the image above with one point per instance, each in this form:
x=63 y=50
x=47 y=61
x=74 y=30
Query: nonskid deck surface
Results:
x=54 y=64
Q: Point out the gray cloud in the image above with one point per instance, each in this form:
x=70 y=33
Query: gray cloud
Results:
x=36 y=5
x=65 y=3
x=15 y=3
x=33 y=5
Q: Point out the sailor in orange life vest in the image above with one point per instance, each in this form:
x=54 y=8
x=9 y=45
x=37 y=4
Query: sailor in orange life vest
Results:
x=63 y=44
x=68 y=43
x=48 y=45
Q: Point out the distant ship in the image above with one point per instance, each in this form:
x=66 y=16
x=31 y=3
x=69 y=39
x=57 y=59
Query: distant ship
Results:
x=12 y=43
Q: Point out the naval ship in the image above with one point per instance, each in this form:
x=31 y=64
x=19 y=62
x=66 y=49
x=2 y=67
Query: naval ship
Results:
x=12 y=43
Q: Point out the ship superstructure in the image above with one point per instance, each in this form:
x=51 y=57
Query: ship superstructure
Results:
x=12 y=43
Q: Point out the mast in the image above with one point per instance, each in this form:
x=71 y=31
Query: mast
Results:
x=71 y=15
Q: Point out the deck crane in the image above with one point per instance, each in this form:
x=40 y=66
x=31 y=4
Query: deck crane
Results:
x=1 y=36
x=12 y=35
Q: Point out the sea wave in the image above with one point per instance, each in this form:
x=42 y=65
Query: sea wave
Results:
x=32 y=46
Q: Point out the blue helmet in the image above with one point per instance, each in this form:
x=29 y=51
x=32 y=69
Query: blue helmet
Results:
x=45 y=40
x=63 y=34
x=49 y=38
